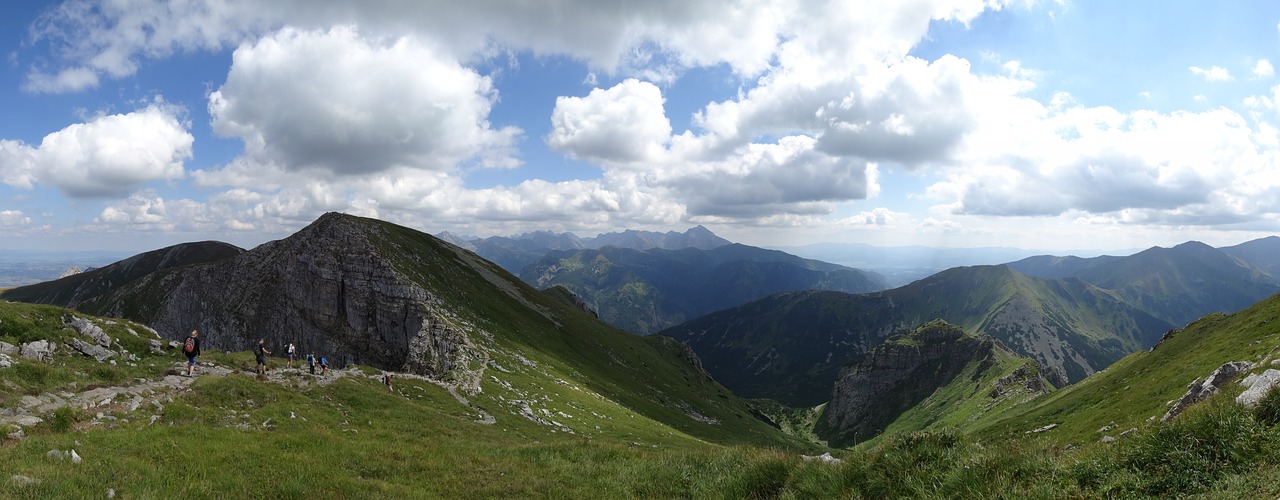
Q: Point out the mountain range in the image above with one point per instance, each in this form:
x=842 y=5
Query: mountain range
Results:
x=367 y=292
x=506 y=390
x=643 y=291
x=1080 y=316
x=790 y=346
x=514 y=253
x=1177 y=284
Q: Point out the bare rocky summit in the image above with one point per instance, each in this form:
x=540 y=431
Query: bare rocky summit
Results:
x=328 y=289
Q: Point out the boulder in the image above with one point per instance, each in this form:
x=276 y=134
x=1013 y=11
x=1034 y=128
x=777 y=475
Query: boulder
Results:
x=1257 y=386
x=86 y=327
x=156 y=346
x=7 y=348
x=39 y=350
x=825 y=458
x=1199 y=390
x=5 y=361
x=27 y=421
x=96 y=351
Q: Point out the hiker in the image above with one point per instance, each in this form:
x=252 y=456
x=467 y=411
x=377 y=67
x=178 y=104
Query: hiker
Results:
x=261 y=353
x=289 y=351
x=191 y=347
x=311 y=361
x=324 y=366
x=386 y=379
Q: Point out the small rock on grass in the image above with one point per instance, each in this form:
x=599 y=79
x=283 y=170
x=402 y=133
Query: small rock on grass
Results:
x=23 y=480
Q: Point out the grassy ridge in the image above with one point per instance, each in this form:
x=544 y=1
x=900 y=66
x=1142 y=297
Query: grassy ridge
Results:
x=1137 y=388
x=544 y=346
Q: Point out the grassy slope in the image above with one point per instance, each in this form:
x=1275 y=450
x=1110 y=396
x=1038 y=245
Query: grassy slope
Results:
x=22 y=323
x=1139 y=386
x=579 y=362
x=353 y=438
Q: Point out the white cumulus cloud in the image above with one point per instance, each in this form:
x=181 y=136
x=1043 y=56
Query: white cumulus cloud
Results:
x=13 y=218
x=1263 y=69
x=338 y=102
x=624 y=124
x=107 y=156
x=1212 y=74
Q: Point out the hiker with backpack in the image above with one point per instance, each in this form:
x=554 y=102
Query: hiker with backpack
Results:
x=386 y=379
x=261 y=353
x=289 y=351
x=191 y=347
x=311 y=362
x=324 y=366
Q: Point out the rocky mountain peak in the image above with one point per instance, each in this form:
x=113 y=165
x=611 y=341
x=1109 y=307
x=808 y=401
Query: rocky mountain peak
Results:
x=907 y=369
x=337 y=288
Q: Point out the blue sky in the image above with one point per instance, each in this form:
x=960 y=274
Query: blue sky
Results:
x=134 y=124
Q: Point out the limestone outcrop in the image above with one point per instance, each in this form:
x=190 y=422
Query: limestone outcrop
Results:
x=907 y=369
x=1200 y=389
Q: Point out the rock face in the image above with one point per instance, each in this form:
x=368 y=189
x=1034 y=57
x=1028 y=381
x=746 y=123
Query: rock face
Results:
x=328 y=289
x=905 y=370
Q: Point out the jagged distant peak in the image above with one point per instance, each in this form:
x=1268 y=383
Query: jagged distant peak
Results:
x=451 y=236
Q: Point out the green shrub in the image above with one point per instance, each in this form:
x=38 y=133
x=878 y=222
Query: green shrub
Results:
x=1208 y=441
x=64 y=419
x=1268 y=409
x=911 y=465
x=764 y=478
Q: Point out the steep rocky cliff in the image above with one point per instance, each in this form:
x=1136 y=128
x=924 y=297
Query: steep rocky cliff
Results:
x=340 y=288
x=913 y=372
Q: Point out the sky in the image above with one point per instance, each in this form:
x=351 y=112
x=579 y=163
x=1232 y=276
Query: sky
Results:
x=1056 y=125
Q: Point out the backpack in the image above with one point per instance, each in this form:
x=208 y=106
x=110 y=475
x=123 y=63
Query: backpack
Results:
x=189 y=346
